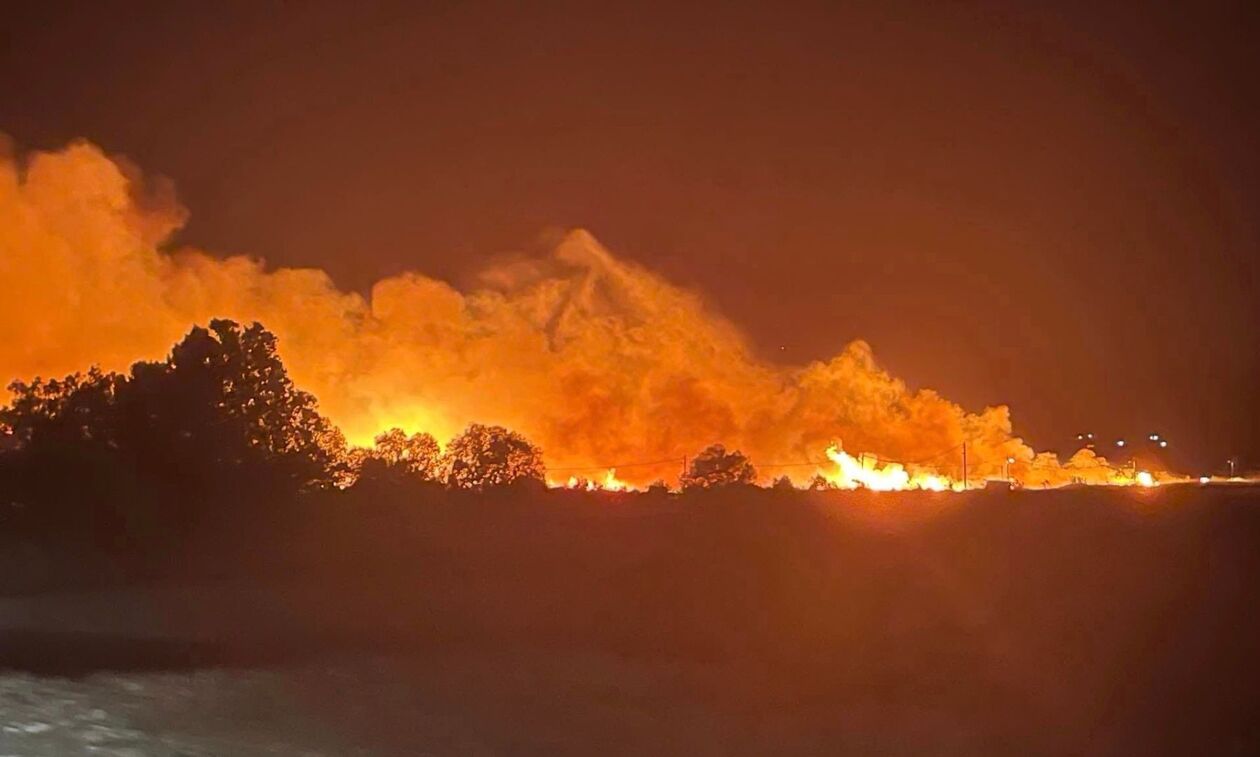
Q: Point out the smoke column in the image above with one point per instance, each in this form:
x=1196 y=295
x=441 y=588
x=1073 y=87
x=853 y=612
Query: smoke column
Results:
x=594 y=358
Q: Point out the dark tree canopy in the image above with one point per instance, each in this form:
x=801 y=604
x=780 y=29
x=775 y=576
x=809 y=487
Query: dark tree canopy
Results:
x=398 y=459
x=488 y=456
x=416 y=454
x=243 y=382
x=219 y=418
x=715 y=467
x=224 y=399
x=81 y=408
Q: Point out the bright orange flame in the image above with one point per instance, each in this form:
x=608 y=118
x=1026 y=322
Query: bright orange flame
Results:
x=610 y=483
x=852 y=473
x=614 y=484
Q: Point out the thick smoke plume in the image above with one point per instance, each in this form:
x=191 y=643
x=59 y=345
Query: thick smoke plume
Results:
x=596 y=359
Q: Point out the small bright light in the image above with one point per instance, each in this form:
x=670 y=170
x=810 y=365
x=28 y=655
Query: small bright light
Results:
x=1010 y=459
x=1119 y=442
x=1144 y=478
x=1154 y=437
x=1089 y=436
x=1204 y=479
x=1163 y=442
x=1080 y=436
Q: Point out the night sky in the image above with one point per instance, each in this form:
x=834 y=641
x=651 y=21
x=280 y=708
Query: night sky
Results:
x=1053 y=207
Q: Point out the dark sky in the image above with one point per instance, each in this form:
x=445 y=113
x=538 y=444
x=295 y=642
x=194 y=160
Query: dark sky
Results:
x=1053 y=207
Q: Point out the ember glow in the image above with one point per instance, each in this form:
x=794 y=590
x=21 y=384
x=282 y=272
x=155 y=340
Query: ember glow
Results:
x=592 y=357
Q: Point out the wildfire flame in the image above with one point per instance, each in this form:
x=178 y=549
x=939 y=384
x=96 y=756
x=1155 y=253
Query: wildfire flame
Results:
x=591 y=357
x=610 y=483
x=852 y=473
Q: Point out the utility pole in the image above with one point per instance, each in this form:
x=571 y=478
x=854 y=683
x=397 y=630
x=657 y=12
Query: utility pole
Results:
x=964 y=466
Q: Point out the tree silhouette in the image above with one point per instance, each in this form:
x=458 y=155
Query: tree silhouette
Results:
x=77 y=409
x=417 y=455
x=397 y=459
x=223 y=405
x=783 y=483
x=716 y=467
x=490 y=456
x=219 y=421
x=63 y=458
x=246 y=383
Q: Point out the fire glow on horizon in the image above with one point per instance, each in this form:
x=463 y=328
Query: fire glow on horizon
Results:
x=592 y=357
x=853 y=473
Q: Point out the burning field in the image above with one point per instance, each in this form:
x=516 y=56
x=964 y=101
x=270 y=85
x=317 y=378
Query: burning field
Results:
x=634 y=535
x=617 y=374
x=629 y=379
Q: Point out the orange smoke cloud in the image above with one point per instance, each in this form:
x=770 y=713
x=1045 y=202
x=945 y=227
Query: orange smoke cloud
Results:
x=596 y=359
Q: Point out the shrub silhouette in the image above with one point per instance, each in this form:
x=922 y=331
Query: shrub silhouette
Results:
x=819 y=483
x=715 y=467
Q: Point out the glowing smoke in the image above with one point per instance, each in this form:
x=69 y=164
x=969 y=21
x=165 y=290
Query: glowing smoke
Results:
x=596 y=359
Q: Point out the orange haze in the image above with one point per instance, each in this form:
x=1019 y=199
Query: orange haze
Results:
x=599 y=361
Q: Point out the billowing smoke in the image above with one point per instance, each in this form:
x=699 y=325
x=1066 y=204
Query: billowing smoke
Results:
x=596 y=359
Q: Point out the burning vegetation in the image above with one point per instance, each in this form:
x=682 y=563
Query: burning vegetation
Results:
x=614 y=373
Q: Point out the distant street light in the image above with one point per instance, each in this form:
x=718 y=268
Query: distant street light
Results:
x=1163 y=442
x=1009 y=462
x=1119 y=442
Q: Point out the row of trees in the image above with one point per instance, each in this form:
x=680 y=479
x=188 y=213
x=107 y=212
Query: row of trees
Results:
x=221 y=411
x=479 y=458
x=484 y=457
x=221 y=403
x=220 y=420
x=491 y=456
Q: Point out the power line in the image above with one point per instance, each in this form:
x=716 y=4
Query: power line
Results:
x=576 y=468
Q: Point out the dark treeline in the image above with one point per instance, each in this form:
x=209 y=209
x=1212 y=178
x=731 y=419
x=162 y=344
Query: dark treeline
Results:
x=218 y=429
x=125 y=457
x=1097 y=621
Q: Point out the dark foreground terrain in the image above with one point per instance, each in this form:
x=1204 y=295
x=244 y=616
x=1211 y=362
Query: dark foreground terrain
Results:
x=737 y=622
